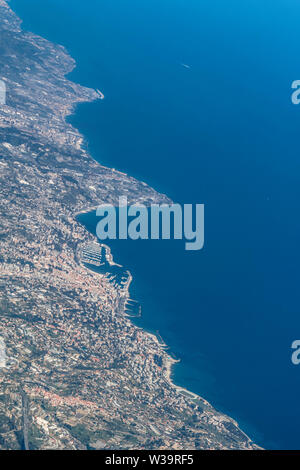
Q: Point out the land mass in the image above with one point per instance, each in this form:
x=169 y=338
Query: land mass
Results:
x=75 y=373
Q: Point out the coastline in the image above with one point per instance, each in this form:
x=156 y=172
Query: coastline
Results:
x=169 y=362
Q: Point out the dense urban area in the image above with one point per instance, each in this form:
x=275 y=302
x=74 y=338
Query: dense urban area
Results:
x=75 y=373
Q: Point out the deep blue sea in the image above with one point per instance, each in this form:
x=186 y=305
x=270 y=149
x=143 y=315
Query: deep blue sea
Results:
x=224 y=133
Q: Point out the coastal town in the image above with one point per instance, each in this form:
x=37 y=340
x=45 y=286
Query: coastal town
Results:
x=75 y=372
